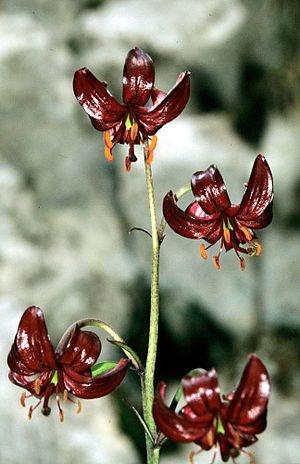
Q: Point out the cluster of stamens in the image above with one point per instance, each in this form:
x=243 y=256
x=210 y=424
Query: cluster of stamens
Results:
x=51 y=388
x=254 y=249
x=133 y=136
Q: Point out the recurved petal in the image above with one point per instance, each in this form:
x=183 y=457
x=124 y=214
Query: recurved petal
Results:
x=186 y=225
x=96 y=100
x=88 y=387
x=32 y=348
x=173 y=425
x=248 y=408
x=167 y=108
x=258 y=222
x=202 y=393
x=82 y=350
x=259 y=193
x=29 y=382
x=138 y=77
x=210 y=191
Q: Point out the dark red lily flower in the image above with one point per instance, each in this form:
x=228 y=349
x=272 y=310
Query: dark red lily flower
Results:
x=212 y=216
x=131 y=122
x=35 y=366
x=231 y=422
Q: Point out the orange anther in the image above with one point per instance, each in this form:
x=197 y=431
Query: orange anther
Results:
x=107 y=140
x=258 y=248
x=79 y=407
x=216 y=262
x=153 y=143
x=134 y=131
x=150 y=156
x=203 y=251
x=108 y=154
x=37 y=386
x=22 y=399
x=61 y=416
x=30 y=413
x=226 y=233
x=247 y=233
x=65 y=396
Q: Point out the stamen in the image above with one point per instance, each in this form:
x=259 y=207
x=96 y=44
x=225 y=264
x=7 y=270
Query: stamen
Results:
x=65 y=396
x=37 y=386
x=226 y=233
x=134 y=129
x=242 y=263
x=192 y=454
x=251 y=251
x=247 y=233
x=258 y=248
x=22 y=399
x=203 y=251
x=127 y=164
x=151 y=148
x=30 y=413
x=108 y=154
x=79 y=407
x=216 y=262
x=107 y=140
x=61 y=416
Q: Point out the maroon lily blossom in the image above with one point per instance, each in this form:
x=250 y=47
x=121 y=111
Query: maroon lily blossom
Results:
x=212 y=216
x=131 y=122
x=231 y=422
x=35 y=366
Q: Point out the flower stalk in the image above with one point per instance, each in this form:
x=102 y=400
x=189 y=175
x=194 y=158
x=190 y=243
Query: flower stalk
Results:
x=148 y=381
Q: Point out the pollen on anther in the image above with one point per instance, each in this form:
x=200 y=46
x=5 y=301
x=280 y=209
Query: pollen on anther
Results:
x=247 y=233
x=37 y=386
x=216 y=262
x=134 y=131
x=107 y=139
x=108 y=154
x=203 y=251
x=22 y=399
x=79 y=407
x=226 y=233
x=258 y=248
x=65 y=396
x=61 y=416
x=30 y=413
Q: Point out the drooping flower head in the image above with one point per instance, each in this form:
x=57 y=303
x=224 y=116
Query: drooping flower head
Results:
x=212 y=216
x=232 y=422
x=131 y=122
x=35 y=366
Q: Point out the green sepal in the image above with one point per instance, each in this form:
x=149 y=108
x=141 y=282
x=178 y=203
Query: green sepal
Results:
x=102 y=367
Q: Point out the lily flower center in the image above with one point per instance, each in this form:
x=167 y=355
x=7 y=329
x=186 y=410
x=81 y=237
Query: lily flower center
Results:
x=56 y=386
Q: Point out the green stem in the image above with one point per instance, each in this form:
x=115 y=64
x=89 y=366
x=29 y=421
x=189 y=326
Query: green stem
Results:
x=148 y=383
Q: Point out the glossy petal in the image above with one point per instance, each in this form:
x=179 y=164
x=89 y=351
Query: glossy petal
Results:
x=167 y=108
x=96 y=100
x=259 y=193
x=176 y=426
x=186 y=225
x=210 y=191
x=28 y=382
x=32 y=351
x=247 y=410
x=202 y=392
x=88 y=387
x=138 y=78
x=82 y=350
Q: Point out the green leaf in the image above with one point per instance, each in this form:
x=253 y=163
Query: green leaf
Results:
x=54 y=379
x=102 y=367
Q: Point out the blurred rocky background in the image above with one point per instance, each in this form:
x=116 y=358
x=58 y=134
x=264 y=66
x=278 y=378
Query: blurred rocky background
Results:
x=66 y=212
